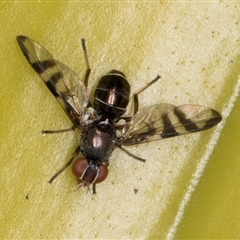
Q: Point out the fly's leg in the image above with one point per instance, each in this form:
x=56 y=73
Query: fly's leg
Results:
x=58 y=131
x=132 y=155
x=74 y=155
x=94 y=188
x=135 y=96
x=135 y=99
x=88 y=71
x=86 y=102
x=128 y=119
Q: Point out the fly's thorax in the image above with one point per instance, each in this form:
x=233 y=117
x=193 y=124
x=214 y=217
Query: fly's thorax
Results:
x=98 y=140
x=111 y=95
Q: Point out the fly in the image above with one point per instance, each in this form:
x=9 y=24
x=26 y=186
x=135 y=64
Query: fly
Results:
x=102 y=123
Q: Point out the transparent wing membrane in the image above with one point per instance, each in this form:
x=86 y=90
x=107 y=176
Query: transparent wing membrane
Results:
x=165 y=120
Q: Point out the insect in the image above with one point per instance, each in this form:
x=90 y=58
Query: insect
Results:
x=102 y=123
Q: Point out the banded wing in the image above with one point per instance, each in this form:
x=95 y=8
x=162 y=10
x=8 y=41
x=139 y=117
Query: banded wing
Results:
x=165 y=120
x=63 y=83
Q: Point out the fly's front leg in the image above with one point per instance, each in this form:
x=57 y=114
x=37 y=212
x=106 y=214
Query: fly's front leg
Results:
x=74 y=155
x=88 y=71
x=135 y=96
x=94 y=188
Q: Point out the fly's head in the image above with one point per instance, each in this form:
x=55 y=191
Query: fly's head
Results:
x=88 y=173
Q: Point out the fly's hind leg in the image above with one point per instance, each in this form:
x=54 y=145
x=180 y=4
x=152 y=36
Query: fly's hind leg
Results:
x=88 y=71
x=135 y=95
x=128 y=119
x=135 y=99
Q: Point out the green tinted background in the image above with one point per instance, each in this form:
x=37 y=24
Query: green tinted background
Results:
x=185 y=190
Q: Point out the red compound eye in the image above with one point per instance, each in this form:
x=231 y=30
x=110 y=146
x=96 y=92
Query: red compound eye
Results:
x=103 y=172
x=79 y=166
x=88 y=172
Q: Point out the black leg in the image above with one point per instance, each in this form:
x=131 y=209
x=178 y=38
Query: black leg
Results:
x=58 y=131
x=75 y=153
x=132 y=155
x=135 y=96
x=88 y=71
x=94 y=188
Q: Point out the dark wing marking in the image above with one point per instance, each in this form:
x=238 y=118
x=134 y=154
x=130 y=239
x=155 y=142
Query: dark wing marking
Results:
x=63 y=83
x=165 y=120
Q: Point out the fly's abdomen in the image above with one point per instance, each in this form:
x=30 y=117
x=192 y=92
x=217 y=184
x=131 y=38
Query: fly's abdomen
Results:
x=111 y=96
